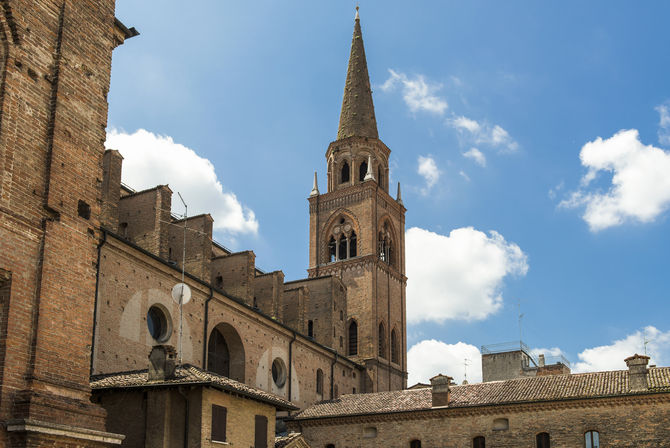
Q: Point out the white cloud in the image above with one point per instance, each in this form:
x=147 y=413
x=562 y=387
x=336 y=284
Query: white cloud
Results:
x=459 y=276
x=464 y=175
x=483 y=133
x=150 y=160
x=417 y=92
x=476 y=155
x=663 y=124
x=611 y=357
x=429 y=171
x=429 y=357
x=640 y=189
x=553 y=192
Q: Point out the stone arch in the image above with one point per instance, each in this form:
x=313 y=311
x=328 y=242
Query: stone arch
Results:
x=329 y=240
x=225 y=352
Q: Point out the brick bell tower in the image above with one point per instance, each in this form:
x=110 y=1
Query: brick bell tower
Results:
x=357 y=233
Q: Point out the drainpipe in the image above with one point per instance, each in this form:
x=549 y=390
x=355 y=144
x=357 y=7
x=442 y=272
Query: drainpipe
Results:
x=204 y=336
x=290 y=363
x=332 y=378
x=95 y=298
x=186 y=417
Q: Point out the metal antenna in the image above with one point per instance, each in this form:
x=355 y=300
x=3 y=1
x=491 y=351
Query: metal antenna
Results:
x=183 y=262
x=466 y=363
x=645 y=341
x=520 y=318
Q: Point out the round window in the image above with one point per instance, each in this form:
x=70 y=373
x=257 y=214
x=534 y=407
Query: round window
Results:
x=158 y=324
x=279 y=372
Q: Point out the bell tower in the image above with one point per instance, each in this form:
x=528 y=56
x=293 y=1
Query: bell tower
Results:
x=357 y=233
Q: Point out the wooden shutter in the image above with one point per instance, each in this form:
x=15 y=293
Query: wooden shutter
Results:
x=261 y=436
x=219 y=423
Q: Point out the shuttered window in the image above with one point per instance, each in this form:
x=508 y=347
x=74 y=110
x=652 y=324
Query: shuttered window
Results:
x=219 y=423
x=261 y=432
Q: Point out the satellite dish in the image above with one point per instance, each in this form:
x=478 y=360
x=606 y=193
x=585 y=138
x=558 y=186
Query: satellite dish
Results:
x=181 y=293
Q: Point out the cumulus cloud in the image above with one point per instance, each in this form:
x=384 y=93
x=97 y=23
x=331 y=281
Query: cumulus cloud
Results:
x=611 y=357
x=459 y=276
x=640 y=186
x=663 y=124
x=429 y=171
x=429 y=357
x=475 y=155
x=483 y=133
x=150 y=160
x=418 y=93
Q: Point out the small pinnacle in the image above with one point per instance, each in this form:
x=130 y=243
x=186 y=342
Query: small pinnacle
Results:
x=315 y=187
x=357 y=17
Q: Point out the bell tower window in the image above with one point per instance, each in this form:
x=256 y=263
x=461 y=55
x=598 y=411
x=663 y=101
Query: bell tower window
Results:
x=342 y=252
x=352 y=244
x=344 y=177
x=362 y=170
x=385 y=246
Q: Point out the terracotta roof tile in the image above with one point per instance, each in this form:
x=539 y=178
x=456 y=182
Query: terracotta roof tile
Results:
x=544 y=388
x=186 y=374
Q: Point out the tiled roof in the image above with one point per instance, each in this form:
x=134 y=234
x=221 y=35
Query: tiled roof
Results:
x=544 y=388
x=186 y=374
x=293 y=439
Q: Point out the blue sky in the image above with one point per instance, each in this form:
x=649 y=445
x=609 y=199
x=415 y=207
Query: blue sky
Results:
x=492 y=110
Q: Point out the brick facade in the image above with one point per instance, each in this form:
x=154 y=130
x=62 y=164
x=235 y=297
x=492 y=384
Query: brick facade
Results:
x=55 y=60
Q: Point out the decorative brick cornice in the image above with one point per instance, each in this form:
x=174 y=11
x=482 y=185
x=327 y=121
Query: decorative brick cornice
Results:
x=337 y=267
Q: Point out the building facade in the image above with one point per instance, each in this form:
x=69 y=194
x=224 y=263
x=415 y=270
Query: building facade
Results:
x=55 y=62
x=622 y=409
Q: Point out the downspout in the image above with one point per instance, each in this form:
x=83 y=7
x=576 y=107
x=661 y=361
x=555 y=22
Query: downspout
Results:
x=186 y=416
x=204 y=336
x=290 y=363
x=388 y=314
x=332 y=378
x=95 y=297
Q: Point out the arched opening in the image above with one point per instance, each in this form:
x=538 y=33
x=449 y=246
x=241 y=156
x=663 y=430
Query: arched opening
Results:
x=352 y=244
x=382 y=340
x=352 y=349
x=342 y=250
x=225 y=352
x=332 y=250
x=385 y=245
x=592 y=439
x=362 y=170
x=380 y=179
x=479 y=442
x=394 y=346
x=542 y=440
x=319 y=382
x=345 y=173
x=416 y=443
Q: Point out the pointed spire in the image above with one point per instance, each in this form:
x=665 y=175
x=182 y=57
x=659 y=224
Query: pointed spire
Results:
x=358 y=113
x=315 y=188
x=369 y=175
x=399 y=197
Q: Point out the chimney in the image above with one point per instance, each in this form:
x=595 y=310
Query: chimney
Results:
x=440 y=389
x=637 y=372
x=540 y=360
x=162 y=362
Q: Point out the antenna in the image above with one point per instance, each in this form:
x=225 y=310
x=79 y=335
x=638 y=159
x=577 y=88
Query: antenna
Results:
x=520 y=318
x=182 y=292
x=645 y=341
x=466 y=363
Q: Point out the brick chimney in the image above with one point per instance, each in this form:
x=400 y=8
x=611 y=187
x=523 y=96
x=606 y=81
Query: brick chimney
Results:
x=162 y=362
x=637 y=372
x=440 y=389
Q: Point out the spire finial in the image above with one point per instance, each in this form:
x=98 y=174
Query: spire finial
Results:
x=399 y=197
x=369 y=175
x=315 y=188
x=357 y=16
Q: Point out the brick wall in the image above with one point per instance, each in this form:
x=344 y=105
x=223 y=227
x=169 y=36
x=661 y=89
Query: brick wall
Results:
x=622 y=423
x=55 y=64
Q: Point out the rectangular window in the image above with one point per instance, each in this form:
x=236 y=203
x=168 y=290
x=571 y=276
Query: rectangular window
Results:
x=261 y=431
x=219 y=423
